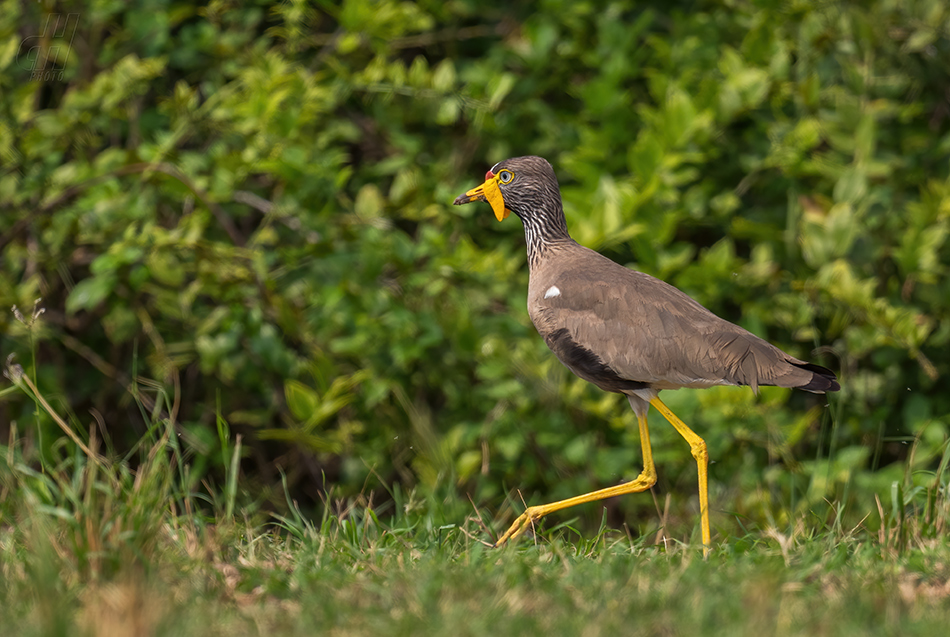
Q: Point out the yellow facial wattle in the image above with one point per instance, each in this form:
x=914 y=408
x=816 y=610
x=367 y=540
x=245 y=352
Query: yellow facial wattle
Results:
x=490 y=192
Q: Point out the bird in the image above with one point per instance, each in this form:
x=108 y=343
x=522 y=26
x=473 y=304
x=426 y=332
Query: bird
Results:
x=626 y=331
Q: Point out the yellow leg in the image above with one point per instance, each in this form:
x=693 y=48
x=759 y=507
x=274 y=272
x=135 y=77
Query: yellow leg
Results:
x=698 y=447
x=644 y=481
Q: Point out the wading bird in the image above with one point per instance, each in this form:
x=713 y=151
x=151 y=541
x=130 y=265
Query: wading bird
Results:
x=625 y=331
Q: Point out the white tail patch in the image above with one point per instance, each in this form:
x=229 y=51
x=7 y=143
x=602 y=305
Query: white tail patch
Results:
x=552 y=291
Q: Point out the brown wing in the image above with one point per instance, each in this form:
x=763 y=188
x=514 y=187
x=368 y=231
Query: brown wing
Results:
x=611 y=326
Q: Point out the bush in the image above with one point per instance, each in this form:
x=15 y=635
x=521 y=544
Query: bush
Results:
x=242 y=213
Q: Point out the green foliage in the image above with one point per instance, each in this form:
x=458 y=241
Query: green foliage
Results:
x=246 y=207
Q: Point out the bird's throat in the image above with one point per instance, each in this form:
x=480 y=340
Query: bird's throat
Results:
x=544 y=229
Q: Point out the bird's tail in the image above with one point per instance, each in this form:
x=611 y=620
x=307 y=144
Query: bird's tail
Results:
x=823 y=379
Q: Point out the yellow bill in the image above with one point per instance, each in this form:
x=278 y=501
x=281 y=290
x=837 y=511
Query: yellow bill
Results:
x=490 y=192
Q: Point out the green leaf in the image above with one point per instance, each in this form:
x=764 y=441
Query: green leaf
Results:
x=680 y=114
x=448 y=112
x=302 y=400
x=645 y=156
x=165 y=268
x=921 y=39
x=851 y=186
x=499 y=88
x=443 y=78
x=864 y=138
x=89 y=293
x=369 y=202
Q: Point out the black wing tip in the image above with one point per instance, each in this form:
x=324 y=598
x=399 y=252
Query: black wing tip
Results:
x=823 y=381
x=821 y=385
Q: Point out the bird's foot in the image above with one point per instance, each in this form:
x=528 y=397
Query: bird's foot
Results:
x=524 y=522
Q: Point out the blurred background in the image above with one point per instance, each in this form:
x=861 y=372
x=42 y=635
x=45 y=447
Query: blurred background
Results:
x=238 y=218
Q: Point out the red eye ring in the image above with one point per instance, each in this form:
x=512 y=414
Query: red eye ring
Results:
x=489 y=175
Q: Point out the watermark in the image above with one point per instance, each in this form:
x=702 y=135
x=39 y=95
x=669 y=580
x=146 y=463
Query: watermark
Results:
x=44 y=55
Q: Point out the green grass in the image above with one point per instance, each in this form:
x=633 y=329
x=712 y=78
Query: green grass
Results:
x=93 y=544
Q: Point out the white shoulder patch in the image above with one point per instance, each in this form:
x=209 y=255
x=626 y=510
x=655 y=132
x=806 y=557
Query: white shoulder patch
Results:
x=552 y=291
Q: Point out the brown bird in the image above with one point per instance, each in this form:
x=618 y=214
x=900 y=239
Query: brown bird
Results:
x=625 y=331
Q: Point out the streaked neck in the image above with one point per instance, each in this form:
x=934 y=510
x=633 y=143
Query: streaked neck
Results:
x=543 y=229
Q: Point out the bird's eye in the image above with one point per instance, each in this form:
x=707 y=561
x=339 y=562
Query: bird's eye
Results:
x=505 y=176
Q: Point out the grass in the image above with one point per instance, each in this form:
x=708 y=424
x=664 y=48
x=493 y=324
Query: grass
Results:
x=95 y=544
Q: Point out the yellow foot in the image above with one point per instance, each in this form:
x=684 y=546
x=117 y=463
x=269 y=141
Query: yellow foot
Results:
x=525 y=521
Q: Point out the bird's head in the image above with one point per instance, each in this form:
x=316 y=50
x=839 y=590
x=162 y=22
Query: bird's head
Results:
x=521 y=185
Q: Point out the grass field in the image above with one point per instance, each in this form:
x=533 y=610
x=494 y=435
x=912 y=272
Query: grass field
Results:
x=90 y=545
